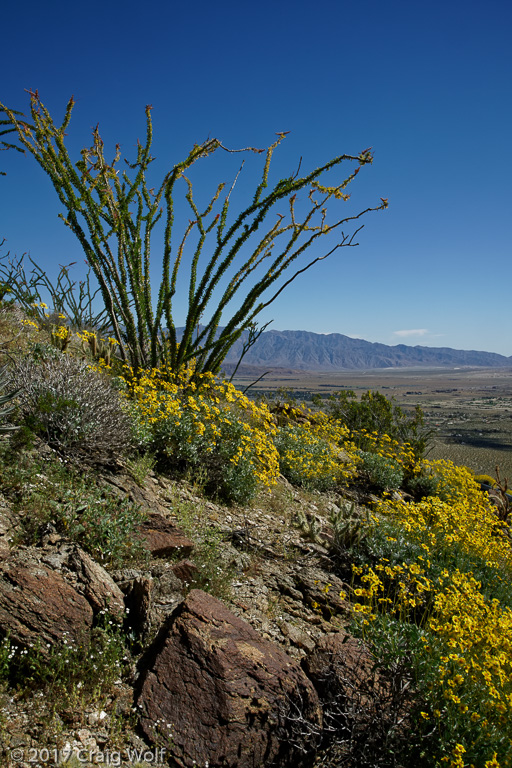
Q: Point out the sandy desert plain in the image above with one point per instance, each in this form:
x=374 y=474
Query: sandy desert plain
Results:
x=469 y=409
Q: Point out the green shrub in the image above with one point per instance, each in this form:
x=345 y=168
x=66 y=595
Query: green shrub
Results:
x=103 y=525
x=313 y=451
x=374 y=412
x=307 y=460
x=71 y=407
x=205 y=427
x=59 y=496
x=382 y=473
x=5 y=658
x=422 y=485
x=43 y=350
x=222 y=458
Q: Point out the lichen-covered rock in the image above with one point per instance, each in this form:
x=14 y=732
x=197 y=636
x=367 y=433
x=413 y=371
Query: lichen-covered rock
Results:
x=215 y=692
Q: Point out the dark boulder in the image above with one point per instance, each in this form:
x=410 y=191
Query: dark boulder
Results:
x=215 y=692
x=48 y=594
x=39 y=607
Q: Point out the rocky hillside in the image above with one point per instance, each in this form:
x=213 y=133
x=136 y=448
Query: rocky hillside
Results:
x=309 y=620
x=303 y=350
x=237 y=681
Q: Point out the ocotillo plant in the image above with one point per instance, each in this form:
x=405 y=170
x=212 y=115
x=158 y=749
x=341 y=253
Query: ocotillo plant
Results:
x=73 y=301
x=114 y=214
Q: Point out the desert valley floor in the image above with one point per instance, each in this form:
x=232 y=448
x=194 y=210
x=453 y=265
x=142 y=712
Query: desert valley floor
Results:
x=470 y=410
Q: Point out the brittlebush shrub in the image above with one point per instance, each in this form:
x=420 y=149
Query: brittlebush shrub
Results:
x=442 y=567
x=381 y=472
x=315 y=453
x=381 y=444
x=74 y=409
x=206 y=426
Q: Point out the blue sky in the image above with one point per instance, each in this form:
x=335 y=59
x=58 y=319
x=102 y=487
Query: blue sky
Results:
x=427 y=85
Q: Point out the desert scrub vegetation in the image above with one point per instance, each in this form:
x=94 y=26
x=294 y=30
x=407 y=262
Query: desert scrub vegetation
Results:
x=195 y=423
x=73 y=408
x=381 y=472
x=73 y=670
x=314 y=452
x=430 y=572
x=6 y=405
x=54 y=495
x=431 y=584
x=67 y=680
x=430 y=568
x=375 y=414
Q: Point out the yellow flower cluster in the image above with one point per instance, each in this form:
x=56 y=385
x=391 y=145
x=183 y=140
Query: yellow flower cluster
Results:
x=60 y=336
x=386 y=446
x=466 y=632
x=61 y=332
x=202 y=415
x=85 y=335
x=316 y=452
x=30 y=323
x=464 y=517
x=99 y=348
x=478 y=633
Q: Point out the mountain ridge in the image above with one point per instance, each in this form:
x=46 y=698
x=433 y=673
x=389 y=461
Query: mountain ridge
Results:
x=306 y=350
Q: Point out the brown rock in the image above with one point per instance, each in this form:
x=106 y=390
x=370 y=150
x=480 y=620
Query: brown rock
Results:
x=163 y=539
x=142 y=494
x=47 y=592
x=151 y=596
x=139 y=604
x=83 y=573
x=215 y=692
x=296 y=636
x=95 y=584
x=37 y=603
x=323 y=595
x=186 y=571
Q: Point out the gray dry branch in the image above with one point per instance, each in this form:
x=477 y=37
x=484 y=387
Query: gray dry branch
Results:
x=113 y=214
x=7 y=407
x=71 y=407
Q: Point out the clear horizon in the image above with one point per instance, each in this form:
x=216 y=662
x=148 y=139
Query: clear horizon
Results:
x=428 y=87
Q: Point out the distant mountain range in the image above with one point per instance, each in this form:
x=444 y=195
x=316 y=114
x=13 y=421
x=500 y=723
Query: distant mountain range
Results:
x=306 y=351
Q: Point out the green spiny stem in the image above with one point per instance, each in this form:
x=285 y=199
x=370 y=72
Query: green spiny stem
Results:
x=102 y=207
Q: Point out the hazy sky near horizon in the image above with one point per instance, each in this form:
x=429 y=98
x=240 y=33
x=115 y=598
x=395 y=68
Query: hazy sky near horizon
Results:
x=427 y=85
